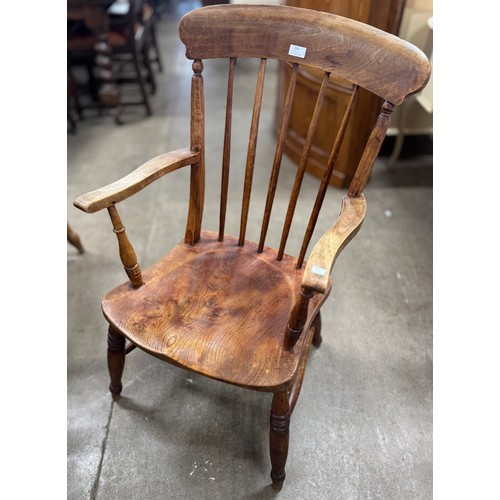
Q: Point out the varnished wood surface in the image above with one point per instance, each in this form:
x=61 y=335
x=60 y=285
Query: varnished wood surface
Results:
x=279 y=437
x=371 y=150
x=197 y=138
x=297 y=318
x=382 y=14
x=301 y=169
x=218 y=309
x=371 y=58
x=116 y=359
x=328 y=248
x=252 y=148
x=219 y=305
x=278 y=155
x=136 y=180
x=226 y=155
x=125 y=248
x=326 y=176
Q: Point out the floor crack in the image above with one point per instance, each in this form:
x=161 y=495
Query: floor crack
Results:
x=95 y=486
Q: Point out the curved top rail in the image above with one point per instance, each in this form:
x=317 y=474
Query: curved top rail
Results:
x=371 y=58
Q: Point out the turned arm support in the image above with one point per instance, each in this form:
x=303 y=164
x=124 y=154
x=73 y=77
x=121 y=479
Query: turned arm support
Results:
x=108 y=196
x=297 y=319
x=136 y=181
x=321 y=261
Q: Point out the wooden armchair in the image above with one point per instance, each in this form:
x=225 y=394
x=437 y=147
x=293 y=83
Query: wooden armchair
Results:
x=219 y=305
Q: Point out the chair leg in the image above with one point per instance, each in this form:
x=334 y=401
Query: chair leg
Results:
x=142 y=84
x=74 y=239
x=155 y=48
x=278 y=437
x=149 y=68
x=317 y=338
x=116 y=359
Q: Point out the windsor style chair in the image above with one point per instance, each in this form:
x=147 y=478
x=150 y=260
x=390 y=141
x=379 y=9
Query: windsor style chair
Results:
x=219 y=305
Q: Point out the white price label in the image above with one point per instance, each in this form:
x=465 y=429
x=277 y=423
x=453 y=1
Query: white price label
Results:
x=297 y=51
x=318 y=270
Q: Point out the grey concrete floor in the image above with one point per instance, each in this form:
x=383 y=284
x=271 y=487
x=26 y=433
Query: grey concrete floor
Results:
x=362 y=428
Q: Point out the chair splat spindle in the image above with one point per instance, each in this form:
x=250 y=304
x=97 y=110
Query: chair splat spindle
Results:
x=273 y=182
x=302 y=165
x=371 y=151
x=252 y=146
x=197 y=183
x=327 y=175
x=226 y=156
x=126 y=250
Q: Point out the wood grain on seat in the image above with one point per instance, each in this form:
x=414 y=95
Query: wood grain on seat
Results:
x=200 y=305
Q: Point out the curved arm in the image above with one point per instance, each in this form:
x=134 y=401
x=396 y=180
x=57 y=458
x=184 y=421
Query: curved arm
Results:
x=135 y=181
x=328 y=248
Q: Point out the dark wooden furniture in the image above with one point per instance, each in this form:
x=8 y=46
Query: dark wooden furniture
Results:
x=126 y=60
x=94 y=15
x=220 y=305
x=150 y=19
x=71 y=104
x=383 y=14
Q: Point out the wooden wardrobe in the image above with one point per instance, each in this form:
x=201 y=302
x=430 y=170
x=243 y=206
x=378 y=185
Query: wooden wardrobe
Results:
x=383 y=14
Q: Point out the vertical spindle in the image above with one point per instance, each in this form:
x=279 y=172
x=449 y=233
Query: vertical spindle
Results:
x=273 y=182
x=302 y=165
x=327 y=175
x=226 y=156
x=252 y=147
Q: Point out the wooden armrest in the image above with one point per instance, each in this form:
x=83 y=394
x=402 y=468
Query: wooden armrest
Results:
x=135 y=181
x=328 y=248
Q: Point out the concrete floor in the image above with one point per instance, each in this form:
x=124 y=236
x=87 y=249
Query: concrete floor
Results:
x=362 y=428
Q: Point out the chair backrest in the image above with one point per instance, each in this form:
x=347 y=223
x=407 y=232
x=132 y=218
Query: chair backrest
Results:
x=363 y=55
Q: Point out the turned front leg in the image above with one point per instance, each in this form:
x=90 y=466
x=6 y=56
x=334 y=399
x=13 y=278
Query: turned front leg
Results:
x=279 y=436
x=116 y=359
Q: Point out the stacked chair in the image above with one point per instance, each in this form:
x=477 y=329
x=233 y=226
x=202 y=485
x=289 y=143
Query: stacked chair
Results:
x=132 y=39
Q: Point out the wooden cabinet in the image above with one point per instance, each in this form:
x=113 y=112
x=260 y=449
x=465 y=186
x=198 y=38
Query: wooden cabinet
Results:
x=383 y=14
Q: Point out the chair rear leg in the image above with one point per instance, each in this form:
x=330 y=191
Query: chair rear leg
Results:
x=149 y=68
x=155 y=48
x=317 y=338
x=278 y=437
x=116 y=359
x=142 y=85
